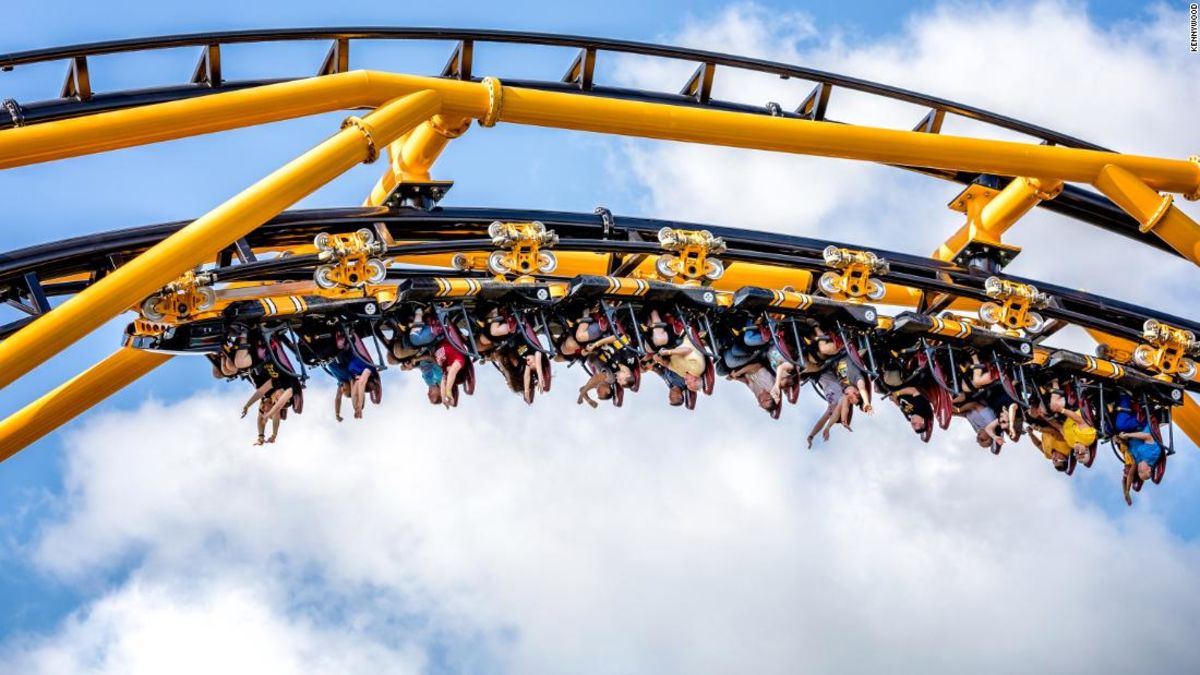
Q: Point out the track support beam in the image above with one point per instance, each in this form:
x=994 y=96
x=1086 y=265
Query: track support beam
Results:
x=491 y=103
x=73 y=397
x=200 y=241
x=1155 y=212
x=413 y=155
x=988 y=222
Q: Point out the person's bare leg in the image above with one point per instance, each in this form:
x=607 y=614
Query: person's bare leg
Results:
x=280 y=402
x=274 y=428
x=262 y=428
x=592 y=383
x=358 y=393
x=527 y=381
x=820 y=423
x=449 y=379
x=541 y=372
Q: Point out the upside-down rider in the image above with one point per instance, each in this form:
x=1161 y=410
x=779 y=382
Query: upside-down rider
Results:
x=1141 y=454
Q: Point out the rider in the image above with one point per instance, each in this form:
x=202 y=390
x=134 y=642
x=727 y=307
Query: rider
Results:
x=452 y=362
x=1141 y=455
x=988 y=427
x=1074 y=429
x=916 y=408
x=677 y=353
x=758 y=378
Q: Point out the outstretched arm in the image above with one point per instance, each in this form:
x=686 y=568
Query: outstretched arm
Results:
x=258 y=393
x=1127 y=483
x=593 y=346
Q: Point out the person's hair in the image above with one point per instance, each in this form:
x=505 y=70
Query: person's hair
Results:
x=675 y=396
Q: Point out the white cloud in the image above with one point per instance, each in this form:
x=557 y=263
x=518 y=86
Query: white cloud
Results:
x=642 y=539
x=224 y=628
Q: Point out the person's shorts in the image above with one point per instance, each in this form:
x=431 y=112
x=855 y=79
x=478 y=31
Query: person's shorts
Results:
x=674 y=380
x=356 y=366
x=736 y=356
x=1078 y=434
x=831 y=386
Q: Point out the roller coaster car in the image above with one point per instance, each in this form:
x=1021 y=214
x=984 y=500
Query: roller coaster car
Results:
x=434 y=289
x=251 y=312
x=207 y=336
x=1134 y=381
x=946 y=344
x=592 y=289
x=757 y=300
x=1152 y=399
x=322 y=339
x=964 y=334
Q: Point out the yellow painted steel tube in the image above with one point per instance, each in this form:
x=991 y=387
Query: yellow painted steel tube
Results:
x=411 y=157
x=74 y=396
x=1155 y=212
x=1187 y=418
x=716 y=127
x=1001 y=213
x=200 y=241
x=130 y=127
x=176 y=119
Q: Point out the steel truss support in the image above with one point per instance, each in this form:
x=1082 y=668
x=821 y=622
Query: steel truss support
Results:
x=83 y=391
x=202 y=240
x=412 y=156
x=994 y=217
x=490 y=103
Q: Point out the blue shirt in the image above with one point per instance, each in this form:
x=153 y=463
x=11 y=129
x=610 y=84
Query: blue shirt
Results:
x=1144 y=451
x=338 y=371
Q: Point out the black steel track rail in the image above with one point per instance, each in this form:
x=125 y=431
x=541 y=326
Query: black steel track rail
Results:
x=446 y=230
x=1074 y=202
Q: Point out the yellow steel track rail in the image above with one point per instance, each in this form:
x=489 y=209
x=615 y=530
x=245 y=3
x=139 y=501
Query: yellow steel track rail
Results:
x=490 y=102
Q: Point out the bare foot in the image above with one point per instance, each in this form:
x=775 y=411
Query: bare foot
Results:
x=825 y=435
x=847 y=425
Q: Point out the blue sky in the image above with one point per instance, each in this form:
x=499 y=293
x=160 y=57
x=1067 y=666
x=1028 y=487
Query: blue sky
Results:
x=183 y=179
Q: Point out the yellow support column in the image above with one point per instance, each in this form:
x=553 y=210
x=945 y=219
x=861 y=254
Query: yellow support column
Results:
x=412 y=156
x=199 y=242
x=64 y=403
x=994 y=218
x=1155 y=212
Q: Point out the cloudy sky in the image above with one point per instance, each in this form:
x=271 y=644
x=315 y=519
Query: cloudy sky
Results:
x=149 y=537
